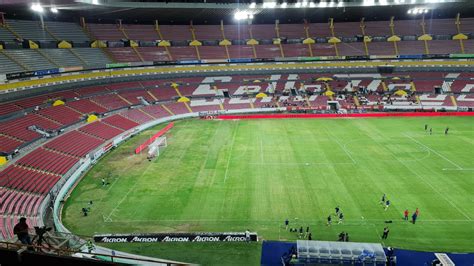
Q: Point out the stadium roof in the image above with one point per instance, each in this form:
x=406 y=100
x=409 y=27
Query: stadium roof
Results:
x=213 y=11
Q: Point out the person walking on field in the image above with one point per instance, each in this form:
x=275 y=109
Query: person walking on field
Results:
x=286 y=223
x=414 y=217
x=329 y=220
x=406 y=215
x=385 y=233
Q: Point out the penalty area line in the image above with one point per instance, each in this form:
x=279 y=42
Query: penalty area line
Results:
x=437 y=153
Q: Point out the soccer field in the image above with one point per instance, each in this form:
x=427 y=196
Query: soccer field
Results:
x=253 y=174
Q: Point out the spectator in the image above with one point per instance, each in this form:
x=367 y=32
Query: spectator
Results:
x=21 y=230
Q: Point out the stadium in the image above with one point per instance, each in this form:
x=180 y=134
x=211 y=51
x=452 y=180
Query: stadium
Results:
x=253 y=132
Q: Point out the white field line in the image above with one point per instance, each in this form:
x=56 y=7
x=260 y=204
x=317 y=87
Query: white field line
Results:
x=230 y=153
x=308 y=163
x=125 y=196
x=456 y=169
x=342 y=147
x=435 y=152
x=432 y=187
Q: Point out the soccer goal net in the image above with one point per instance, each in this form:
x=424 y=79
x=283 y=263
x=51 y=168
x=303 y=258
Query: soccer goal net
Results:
x=155 y=147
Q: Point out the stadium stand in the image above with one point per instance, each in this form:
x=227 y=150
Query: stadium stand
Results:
x=66 y=31
x=119 y=121
x=49 y=161
x=81 y=145
x=61 y=114
x=20 y=178
x=86 y=106
x=101 y=130
x=30 y=30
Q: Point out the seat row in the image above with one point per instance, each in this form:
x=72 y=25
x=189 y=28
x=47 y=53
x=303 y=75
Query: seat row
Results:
x=49 y=161
x=28 y=180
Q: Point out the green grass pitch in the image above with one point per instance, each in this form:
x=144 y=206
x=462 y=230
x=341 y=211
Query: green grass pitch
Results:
x=253 y=174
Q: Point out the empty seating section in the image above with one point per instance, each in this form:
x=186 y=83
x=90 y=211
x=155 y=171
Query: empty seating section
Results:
x=264 y=31
x=85 y=106
x=6 y=35
x=124 y=54
x=120 y=122
x=6 y=108
x=319 y=30
x=63 y=57
x=444 y=47
x=163 y=93
x=292 y=31
x=31 y=58
x=92 y=90
x=153 y=53
x=74 y=143
x=208 y=32
x=123 y=85
x=212 y=52
x=67 y=31
x=101 y=130
x=236 y=32
x=268 y=51
x=156 y=111
x=9 y=66
x=20 y=178
x=411 y=47
x=45 y=160
x=241 y=51
x=138 y=115
x=30 y=30
x=105 y=32
x=352 y=48
x=295 y=50
x=323 y=49
x=183 y=53
x=18 y=128
x=110 y=101
x=9 y=144
x=92 y=56
x=176 y=32
x=61 y=114
x=177 y=108
x=141 y=32
x=133 y=96
x=16 y=202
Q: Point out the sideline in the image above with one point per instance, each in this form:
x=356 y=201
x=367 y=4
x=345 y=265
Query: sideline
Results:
x=365 y=115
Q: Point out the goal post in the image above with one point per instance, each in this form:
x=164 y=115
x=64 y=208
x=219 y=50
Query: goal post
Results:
x=155 y=146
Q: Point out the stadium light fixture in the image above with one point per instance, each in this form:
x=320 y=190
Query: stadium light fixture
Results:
x=269 y=4
x=323 y=4
x=312 y=4
x=253 y=5
x=242 y=15
x=304 y=3
x=298 y=4
x=54 y=10
x=283 y=5
x=37 y=7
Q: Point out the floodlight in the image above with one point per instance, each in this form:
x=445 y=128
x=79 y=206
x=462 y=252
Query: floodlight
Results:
x=37 y=7
x=297 y=4
x=283 y=5
x=253 y=5
x=54 y=10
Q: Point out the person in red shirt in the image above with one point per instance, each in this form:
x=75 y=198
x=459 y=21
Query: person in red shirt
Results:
x=406 y=214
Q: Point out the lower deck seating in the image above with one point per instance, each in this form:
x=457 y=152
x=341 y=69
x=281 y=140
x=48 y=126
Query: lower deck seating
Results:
x=101 y=130
x=28 y=180
x=45 y=160
x=74 y=143
x=120 y=122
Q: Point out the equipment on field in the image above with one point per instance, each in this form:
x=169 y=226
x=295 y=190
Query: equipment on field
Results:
x=154 y=147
